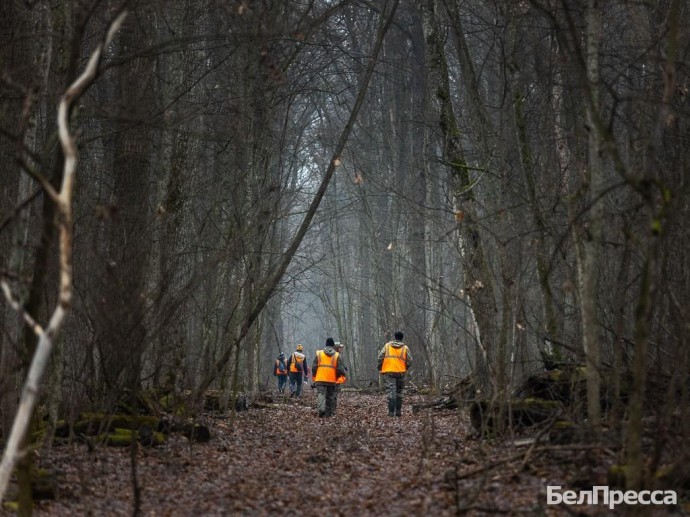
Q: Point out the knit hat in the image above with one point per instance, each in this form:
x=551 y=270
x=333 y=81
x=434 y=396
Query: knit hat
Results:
x=399 y=336
x=330 y=342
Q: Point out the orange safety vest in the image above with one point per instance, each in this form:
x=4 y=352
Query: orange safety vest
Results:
x=326 y=366
x=279 y=370
x=296 y=359
x=394 y=359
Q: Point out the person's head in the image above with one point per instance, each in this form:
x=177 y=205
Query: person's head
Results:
x=398 y=336
x=300 y=348
x=338 y=346
x=330 y=342
x=281 y=355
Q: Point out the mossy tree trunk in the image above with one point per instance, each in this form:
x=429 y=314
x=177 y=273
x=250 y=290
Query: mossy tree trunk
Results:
x=479 y=281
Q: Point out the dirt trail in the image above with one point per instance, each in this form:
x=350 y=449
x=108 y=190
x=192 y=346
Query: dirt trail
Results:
x=283 y=460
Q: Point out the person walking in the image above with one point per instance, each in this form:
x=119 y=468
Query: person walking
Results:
x=296 y=365
x=340 y=379
x=328 y=365
x=394 y=360
x=280 y=370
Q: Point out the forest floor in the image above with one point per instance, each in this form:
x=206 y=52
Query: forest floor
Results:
x=283 y=460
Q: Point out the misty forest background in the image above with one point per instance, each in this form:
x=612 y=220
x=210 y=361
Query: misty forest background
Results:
x=514 y=189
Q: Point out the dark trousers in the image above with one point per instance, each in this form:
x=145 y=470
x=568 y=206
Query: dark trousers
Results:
x=395 y=383
x=282 y=381
x=338 y=389
x=325 y=401
x=296 y=381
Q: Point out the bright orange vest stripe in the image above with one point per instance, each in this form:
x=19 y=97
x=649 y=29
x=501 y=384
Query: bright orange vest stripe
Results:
x=394 y=359
x=326 y=367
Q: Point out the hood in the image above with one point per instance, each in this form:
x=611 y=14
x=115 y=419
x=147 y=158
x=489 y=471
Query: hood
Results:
x=397 y=344
x=329 y=351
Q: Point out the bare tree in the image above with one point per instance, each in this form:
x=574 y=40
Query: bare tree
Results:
x=63 y=200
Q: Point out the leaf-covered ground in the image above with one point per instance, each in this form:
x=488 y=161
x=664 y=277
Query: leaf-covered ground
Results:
x=283 y=460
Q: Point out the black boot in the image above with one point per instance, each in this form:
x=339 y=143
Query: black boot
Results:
x=398 y=407
x=391 y=407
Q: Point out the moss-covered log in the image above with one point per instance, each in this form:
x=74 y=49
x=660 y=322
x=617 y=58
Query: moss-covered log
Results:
x=92 y=424
x=120 y=437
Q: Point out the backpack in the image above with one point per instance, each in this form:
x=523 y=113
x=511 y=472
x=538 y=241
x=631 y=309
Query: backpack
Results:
x=281 y=367
x=297 y=362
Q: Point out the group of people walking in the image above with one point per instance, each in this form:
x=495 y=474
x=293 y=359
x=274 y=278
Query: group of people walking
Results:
x=329 y=373
x=293 y=369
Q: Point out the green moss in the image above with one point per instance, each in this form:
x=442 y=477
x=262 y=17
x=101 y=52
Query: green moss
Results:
x=535 y=403
x=38 y=437
x=121 y=437
x=12 y=506
x=43 y=484
x=618 y=475
x=41 y=473
x=172 y=404
x=555 y=375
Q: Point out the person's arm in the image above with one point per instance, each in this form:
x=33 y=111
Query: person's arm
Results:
x=340 y=368
x=408 y=358
x=380 y=359
x=314 y=366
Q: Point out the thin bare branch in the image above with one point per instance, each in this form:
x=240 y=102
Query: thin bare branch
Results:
x=14 y=303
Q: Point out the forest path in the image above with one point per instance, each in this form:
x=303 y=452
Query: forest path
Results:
x=283 y=460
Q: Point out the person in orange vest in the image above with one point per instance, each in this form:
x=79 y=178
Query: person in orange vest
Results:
x=280 y=370
x=296 y=365
x=327 y=366
x=340 y=380
x=394 y=361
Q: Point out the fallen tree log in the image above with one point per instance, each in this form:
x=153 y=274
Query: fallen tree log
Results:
x=120 y=437
x=92 y=424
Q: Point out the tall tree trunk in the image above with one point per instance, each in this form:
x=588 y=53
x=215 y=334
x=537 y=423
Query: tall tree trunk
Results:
x=479 y=282
x=659 y=204
x=590 y=247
